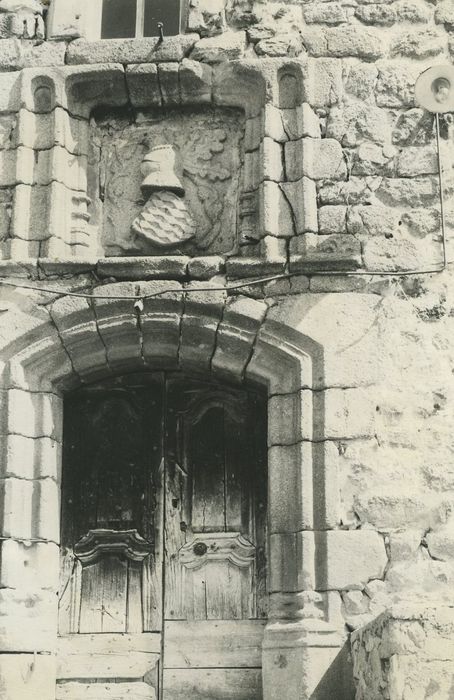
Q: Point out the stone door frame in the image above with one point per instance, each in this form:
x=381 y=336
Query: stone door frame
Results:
x=205 y=334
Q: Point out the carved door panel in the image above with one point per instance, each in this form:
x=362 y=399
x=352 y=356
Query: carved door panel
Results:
x=215 y=519
x=110 y=616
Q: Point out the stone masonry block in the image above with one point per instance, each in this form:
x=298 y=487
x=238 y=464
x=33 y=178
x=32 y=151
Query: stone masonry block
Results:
x=323 y=86
x=290 y=418
x=31 y=414
x=30 y=458
x=273 y=123
x=78 y=331
x=343 y=331
x=417 y=160
x=318 y=159
x=292 y=557
x=348 y=559
x=332 y=219
x=10 y=91
x=160 y=324
x=354 y=40
x=27 y=565
x=118 y=326
x=275 y=211
x=301 y=196
x=344 y=413
x=169 y=83
x=195 y=82
x=197 y=342
x=335 y=252
x=127 y=51
x=236 y=335
x=271 y=157
x=43 y=131
x=217 y=49
x=29 y=509
x=16 y=508
x=27 y=677
x=290 y=478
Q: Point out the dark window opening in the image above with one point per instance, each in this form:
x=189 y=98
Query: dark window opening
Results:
x=122 y=19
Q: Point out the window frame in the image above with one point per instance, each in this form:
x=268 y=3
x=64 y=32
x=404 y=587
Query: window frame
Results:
x=93 y=20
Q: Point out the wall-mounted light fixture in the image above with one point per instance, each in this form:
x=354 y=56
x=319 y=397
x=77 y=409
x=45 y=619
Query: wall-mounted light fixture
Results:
x=434 y=89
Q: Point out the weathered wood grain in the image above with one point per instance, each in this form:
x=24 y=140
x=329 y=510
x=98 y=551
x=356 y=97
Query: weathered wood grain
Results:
x=105 y=691
x=220 y=643
x=94 y=656
x=212 y=684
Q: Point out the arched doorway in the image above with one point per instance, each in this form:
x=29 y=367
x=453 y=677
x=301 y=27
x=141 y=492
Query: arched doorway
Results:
x=163 y=540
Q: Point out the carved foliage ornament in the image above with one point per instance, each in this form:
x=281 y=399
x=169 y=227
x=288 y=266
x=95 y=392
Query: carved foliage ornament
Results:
x=168 y=181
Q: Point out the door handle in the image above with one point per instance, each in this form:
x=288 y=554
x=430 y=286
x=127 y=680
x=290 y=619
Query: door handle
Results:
x=200 y=549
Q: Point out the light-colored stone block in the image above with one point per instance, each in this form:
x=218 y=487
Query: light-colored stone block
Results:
x=27 y=676
x=348 y=559
x=290 y=418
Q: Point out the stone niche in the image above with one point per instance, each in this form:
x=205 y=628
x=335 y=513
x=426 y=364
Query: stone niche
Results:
x=165 y=180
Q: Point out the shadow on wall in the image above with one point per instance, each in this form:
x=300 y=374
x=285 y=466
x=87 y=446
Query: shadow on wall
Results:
x=338 y=682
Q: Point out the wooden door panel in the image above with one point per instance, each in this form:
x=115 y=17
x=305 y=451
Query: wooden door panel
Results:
x=220 y=643
x=213 y=684
x=215 y=486
x=112 y=483
x=120 y=656
x=105 y=691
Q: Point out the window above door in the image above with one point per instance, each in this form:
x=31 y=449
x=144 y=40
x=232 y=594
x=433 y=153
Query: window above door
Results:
x=115 y=19
x=139 y=18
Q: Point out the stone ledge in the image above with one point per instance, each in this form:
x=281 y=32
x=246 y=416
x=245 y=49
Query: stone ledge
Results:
x=126 y=51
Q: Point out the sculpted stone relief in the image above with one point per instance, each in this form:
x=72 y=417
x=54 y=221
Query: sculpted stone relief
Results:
x=169 y=182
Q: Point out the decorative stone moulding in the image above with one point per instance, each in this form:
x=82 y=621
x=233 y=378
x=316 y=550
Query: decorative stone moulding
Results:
x=75 y=165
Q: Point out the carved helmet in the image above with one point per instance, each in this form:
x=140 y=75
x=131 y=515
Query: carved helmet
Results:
x=158 y=167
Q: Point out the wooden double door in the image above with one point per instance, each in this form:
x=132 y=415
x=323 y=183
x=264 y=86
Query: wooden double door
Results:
x=163 y=543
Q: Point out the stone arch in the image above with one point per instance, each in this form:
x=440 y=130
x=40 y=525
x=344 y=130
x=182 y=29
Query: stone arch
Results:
x=206 y=333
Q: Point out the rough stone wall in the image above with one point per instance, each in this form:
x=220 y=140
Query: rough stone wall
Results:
x=384 y=344
x=405 y=653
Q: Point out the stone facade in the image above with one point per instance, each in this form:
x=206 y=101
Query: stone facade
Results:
x=309 y=261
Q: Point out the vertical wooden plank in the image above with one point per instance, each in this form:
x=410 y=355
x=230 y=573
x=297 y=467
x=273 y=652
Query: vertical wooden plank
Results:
x=206 y=454
x=177 y=521
x=114 y=572
x=238 y=475
x=134 y=613
x=70 y=592
x=91 y=599
x=223 y=584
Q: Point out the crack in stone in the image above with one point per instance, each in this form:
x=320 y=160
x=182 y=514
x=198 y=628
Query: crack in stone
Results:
x=216 y=335
x=53 y=322
x=180 y=328
x=255 y=341
x=95 y=318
